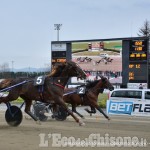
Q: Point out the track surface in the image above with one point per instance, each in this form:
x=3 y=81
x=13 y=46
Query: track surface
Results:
x=115 y=65
x=26 y=136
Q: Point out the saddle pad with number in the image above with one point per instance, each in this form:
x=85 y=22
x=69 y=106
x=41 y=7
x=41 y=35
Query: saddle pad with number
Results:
x=39 y=80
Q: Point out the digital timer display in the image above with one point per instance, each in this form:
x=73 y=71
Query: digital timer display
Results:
x=138 y=45
x=137 y=61
x=137 y=72
x=138 y=51
x=134 y=56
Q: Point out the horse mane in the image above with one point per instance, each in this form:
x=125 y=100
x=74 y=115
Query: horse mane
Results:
x=91 y=83
x=56 y=70
x=71 y=62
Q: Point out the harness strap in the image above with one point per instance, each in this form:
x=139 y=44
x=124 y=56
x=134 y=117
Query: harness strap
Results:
x=9 y=88
x=82 y=98
x=40 y=90
x=59 y=85
x=69 y=93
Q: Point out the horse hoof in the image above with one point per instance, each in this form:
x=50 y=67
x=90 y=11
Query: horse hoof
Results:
x=38 y=122
x=81 y=124
x=27 y=117
x=108 y=119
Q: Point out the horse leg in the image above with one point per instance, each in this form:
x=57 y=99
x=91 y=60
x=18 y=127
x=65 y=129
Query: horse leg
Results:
x=74 y=110
x=28 y=104
x=95 y=105
x=62 y=103
x=92 y=111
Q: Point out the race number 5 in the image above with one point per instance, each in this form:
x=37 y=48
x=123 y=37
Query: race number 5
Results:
x=81 y=90
x=39 y=80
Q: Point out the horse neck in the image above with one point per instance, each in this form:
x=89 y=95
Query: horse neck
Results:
x=64 y=80
x=96 y=88
x=61 y=80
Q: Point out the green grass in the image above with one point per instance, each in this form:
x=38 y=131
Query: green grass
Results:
x=18 y=101
x=102 y=99
x=79 y=46
x=88 y=53
x=107 y=45
x=113 y=44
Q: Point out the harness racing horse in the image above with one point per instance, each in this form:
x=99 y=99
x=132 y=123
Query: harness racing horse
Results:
x=50 y=91
x=90 y=97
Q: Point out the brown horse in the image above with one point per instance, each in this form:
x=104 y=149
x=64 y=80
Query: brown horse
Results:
x=90 y=97
x=50 y=91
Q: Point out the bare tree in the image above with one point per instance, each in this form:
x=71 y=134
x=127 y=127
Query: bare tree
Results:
x=145 y=30
x=4 y=67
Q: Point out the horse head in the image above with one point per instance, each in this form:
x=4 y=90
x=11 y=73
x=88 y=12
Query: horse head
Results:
x=74 y=70
x=106 y=83
x=57 y=69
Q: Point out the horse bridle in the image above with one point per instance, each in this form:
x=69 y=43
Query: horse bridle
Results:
x=103 y=80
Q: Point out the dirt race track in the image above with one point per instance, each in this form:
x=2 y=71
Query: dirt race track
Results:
x=29 y=135
x=115 y=65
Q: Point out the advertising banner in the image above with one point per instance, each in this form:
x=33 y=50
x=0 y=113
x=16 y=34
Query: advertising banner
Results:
x=134 y=108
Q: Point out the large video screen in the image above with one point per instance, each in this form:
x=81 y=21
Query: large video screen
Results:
x=98 y=57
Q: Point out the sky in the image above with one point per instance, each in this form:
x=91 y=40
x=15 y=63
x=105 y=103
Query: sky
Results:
x=27 y=26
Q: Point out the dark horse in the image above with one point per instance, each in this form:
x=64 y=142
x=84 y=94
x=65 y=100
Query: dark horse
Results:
x=90 y=97
x=51 y=91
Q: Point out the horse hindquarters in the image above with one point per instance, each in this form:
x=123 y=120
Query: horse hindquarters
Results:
x=13 y=95
x=5 y=83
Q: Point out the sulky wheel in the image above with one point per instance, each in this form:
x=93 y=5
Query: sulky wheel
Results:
x=61 y=114
x=38 y=110
x=13 y=116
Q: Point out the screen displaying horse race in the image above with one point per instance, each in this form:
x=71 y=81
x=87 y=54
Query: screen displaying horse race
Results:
x=98 y=57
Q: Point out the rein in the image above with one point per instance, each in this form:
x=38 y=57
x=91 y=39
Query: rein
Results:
x=59 y=85
x=69 y=93
x=13 y=86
